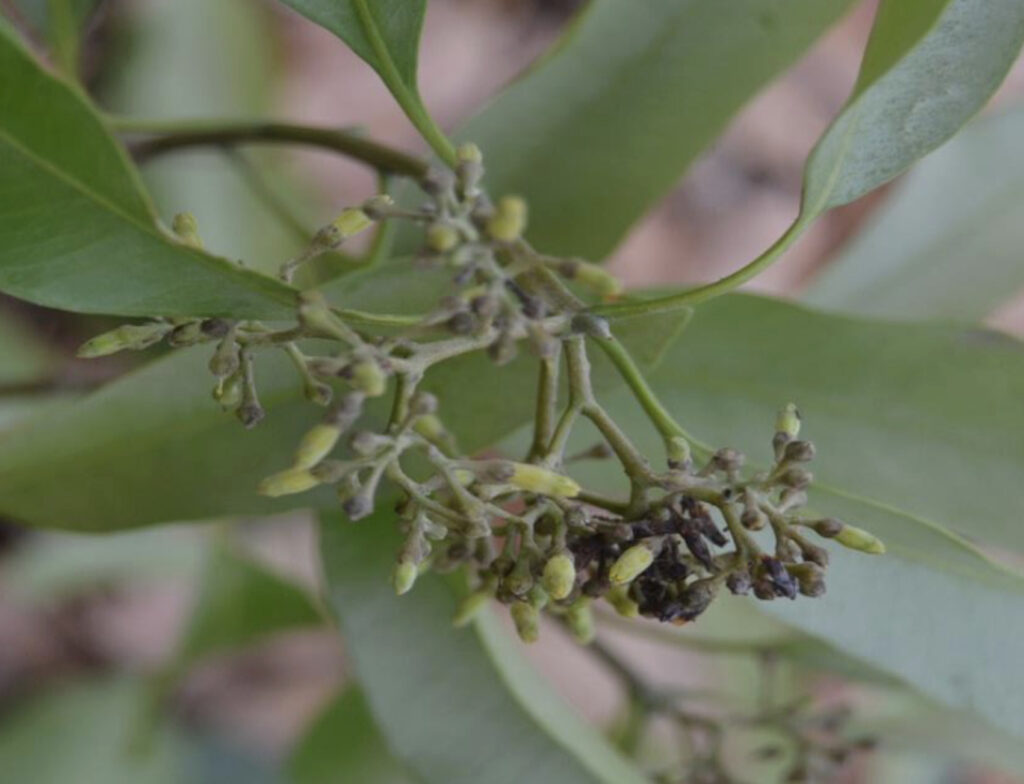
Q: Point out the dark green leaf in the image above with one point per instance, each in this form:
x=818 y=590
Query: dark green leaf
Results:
x=947 y=244
x=24 y=357
x=605 y=125
x=76 y=231
x=455 y=705
x=343 y=744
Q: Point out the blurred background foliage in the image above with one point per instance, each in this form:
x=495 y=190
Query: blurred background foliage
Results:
x=205 y=653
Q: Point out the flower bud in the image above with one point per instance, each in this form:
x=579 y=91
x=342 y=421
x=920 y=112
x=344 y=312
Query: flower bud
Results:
x=859 y=539
x=679 y=454
x=796 y=477
x=788 y=421
x=367 y=444
x=350 y=222
x=469 y=153
x=228 y=391
x=827 y=527
x=287 y=482
x=519 y=581
x=187 y=334
x=619 y=598
x=225 y=359
x=423 y=403
x=799 y=451
x=315 y=445
x=250 y=414
x=186 y=228
x=527 y=621
x=535 y=479
x=404 y=576
x=631 y=564
x=368 y=378
x=809 y=577
x=376 y=207
x=509 y=219
x=442 y=237
x=728 y=459
x=594 y=277
x=469 y=607
x=128 y=336
x=580 y=620
x=559 y=576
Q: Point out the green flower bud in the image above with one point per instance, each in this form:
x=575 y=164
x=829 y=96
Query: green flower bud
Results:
x=619 y=598
x=535 y=479
x=187 y=334
x=404 y=576
x=288 y=482
x=351 y=221
x=859 y=539
x=679 y=455
x=788 y=421
x=430 y=427
x=519 y=581
x=631 y=564
x=368 y=378
x=594 y=277
x=228 y=391
x=376 y=207
x=442 y=237
x=225 y=359
x=580 y=620
x=469 y=153
x=527 y=621
x=186 y=227
x=559 y=576
x=316 y=444
x=133 y=337
x=469 y=607
x=509 y=219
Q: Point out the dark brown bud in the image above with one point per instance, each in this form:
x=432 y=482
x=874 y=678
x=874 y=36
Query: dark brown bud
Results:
x=799 y=451
x=827 y=527
x=809 y=577
x=728 y=459
x=250 y=414
x=215 y=327
x=738 y=583
x=779 y=577
x=462 y=323
x=797 y=478
x=698 y=547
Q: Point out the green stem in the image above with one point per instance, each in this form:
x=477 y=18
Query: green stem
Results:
x=710 y=290
x=547 y=398
x=407 y=99
x=179 y=134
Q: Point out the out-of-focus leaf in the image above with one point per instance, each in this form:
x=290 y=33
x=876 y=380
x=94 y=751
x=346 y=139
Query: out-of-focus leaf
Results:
x=342 y=744
x=454 y=705
x=76 y=230
x=240 y=602
x=948 y=243
x=83 y=733
x=24 y=357
x=606 y=124
x=193 y=58
x=154 y=447
x=912 y=424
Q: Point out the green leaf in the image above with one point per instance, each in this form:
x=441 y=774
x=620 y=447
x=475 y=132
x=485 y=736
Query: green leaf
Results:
x=342 y=744
x=605 y=125
x=913 y=424
x=153 y=446
x=929 y=66
x=947 y=243
x=455 y=705
x=240 y=602
x=24 y=357
x=386 y=34
x=76 y=231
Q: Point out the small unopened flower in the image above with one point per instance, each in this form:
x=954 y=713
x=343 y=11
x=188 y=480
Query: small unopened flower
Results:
x=536 y=479
x=859 y=539
x=559 y=576
x=631 y=564
x=594 y=277
x=404 y=576
x=128 y=336
x=527 y=620
x=442 y=237
x=368 y=378
x=469 y=607
x=619 y=598
x=186 y=228
x=580 y=620
x=292 y=480
x=788 y=421
x=509 y=219
x=316 y=444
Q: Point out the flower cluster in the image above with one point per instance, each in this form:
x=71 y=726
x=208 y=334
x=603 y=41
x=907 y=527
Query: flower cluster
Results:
x=529 y=535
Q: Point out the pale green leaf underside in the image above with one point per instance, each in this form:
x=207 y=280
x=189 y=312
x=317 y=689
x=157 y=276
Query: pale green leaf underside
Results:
x=454 y=706
x=76 y=231
x=948 y=242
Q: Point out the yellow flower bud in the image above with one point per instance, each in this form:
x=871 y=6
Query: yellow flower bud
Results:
x=292 y=480
x=559 y=576
x=859 y=539
x=594 y=277
x=788 y=421
x=469 y=153
x=442 y=237
x=542 y=481
x=351 y=222
x=186 y=227
x=631 y=564
x=404 y=576
x=315 y=445
x=509 y=219
x=581 y=621
x=527 y=621
x=368 y=378
x=128 y=336
x=469 y=607
x=619 y=598
x=430 y=427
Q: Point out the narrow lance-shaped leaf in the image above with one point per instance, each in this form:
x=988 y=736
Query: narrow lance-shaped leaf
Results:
x=465 y=707
x=947 y=243
x=76 y=230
